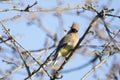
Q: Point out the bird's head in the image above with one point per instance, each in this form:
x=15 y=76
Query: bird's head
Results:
x=74 y=28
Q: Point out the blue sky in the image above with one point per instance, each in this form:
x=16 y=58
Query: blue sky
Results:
x=32 y=37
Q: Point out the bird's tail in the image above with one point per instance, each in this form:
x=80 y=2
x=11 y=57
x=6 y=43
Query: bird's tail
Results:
x=57 y=61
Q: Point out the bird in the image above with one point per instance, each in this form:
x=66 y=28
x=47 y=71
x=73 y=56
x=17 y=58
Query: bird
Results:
x=66 y=45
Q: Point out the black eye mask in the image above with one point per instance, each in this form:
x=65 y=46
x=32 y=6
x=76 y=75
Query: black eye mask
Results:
x=74 y=30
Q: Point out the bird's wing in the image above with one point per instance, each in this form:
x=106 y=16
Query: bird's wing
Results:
x=57 y=50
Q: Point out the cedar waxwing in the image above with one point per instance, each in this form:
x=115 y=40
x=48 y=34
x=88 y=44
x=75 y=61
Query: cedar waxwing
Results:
x=66 y=44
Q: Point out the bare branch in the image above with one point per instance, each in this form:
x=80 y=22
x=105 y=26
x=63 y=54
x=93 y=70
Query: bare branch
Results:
x=96 y=67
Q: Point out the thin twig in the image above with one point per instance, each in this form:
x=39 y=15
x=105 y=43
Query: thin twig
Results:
x=96 y=67
x=107 y=30
x=16 y=47
x=80 y=67
x=57 y=9
x=15 y=42
x=41 y=66
x=113 y=15
x=101 y=63
x=16 y=69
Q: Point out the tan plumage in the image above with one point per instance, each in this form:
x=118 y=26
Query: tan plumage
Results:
x=67 y=43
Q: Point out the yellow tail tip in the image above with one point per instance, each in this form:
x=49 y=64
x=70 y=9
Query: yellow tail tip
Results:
x=53 y=67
